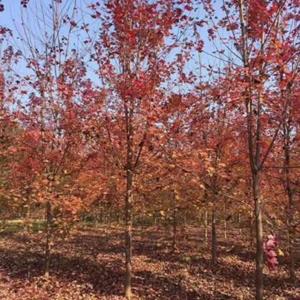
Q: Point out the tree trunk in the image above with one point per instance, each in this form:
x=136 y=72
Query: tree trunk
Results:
x=213 y=237
x=291 y=240
x=254 y=146
x=48 y=238
x=184 y=231
x=128 y=201
x=28 y=215
x=251 y=227
x=174 y=223
x=239 y=223
x=225 y=222
x=206 y=226
x=259 y=237
x=128 y=235
x=174 y=244
x=289 y=192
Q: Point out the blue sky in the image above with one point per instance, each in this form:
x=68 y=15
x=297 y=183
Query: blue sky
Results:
x=12 y=19
x=12 y=11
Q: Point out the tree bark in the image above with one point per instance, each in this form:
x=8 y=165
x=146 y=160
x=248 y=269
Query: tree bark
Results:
x=128 y=235
x=239 y=223
x=259 y=237
x=28 y=215
x=290 y=195
x=128 y=202
x=174 y=244
x=251 y=228
x=253 y=119
x=206 y=226
x=174 y=222
x=225 y=221
x=48 y=238
x=213 y=237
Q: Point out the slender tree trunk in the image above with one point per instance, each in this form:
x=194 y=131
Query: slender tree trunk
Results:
x=259 y=237
x=128 y=202
x=184 y=231
x=174 y=242
x=289 y=191
x=128 y=235
x=225 y=222
x=256 y=175
x=99 y=217
x=251 y=227
x=239 y=223
x=254 y=147
x=174 y=223
x=206 y=226
x=213 y=237
x=28 y=215
x=206 y=221
x=48 y=238
x=291 y=238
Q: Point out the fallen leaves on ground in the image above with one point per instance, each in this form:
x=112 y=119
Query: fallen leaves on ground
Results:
x=89 y=265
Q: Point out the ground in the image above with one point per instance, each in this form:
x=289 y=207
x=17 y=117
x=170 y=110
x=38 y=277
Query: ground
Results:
x=89 y=265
